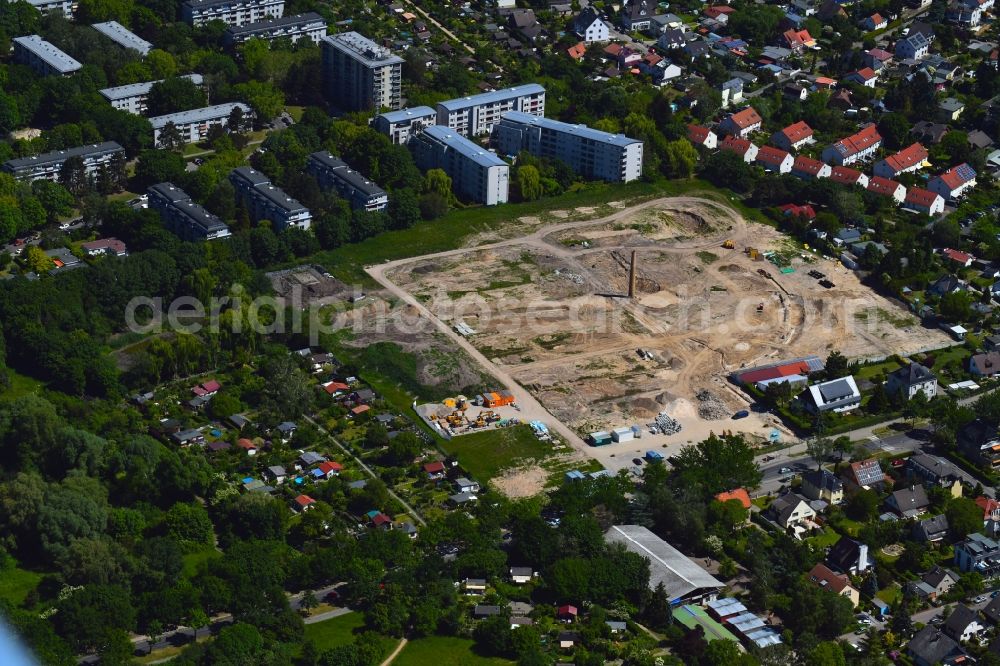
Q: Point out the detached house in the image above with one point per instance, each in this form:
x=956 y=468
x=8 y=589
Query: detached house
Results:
x=702 y=136
x=774 y=159
x=790 y=511
x=797 y=40
x=911 y=380
x=963 y=624
x=874 y=22
x=859 y=146
x=866 y=76
x=823 y=485
x=590 y=27
x=930 y=647
x=637 y=15
x=909 y=502
x=979 y=441
x=865 y=475
x=746 y=150
x=742 y=123
x=954 y=182
x=822 y=576
x=887 y=188
x=985 y=365
x=931 y=530
x=837 y=395
x=794 y=136
x=914 y=46
x=924 y=201
x=909 y=159
x=933 y=471
x=849 y=556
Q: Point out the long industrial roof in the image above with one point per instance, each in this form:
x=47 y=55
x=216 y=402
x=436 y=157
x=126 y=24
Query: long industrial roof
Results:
x=678 y=573
x=492 y=97
x=139 y=89
x=581 y=131
x=122 y=36
x=197 y=115
x=49 y=54
x=463 y=146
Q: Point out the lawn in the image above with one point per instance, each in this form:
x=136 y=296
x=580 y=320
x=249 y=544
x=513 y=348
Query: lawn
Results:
x=15 y=583
x=871 y=371
x=486 y=454
x=341 y=631
x=193 y=562
x=824 y=540
x=19 y=386
x=444 y=651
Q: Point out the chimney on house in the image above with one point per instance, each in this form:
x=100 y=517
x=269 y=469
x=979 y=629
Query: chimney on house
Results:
x=631 y=276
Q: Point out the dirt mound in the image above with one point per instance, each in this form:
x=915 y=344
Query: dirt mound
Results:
x=732 y=268
x=644 y=408
x=710 y=406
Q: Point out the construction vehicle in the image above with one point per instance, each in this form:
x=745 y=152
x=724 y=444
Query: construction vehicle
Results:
x=760 y=307
x=763 y=273
x=753 y=253
x=728 y=244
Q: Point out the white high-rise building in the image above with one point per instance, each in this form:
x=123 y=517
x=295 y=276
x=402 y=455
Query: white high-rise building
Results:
x=358 y=74
x=479 y=114
x=476 y=173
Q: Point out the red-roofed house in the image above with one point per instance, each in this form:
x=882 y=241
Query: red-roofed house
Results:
x=719 y=12
x=806 y=212
x=335 y=387
x=877 y=58
x=924 y=201
x=742 y=123
x=774 y=159
x=824 y=83
x=794 y=136
x=330 y=469
x=303 y=503
x=909 y=159
x=435 y=470
x=614 y=50
x=566 y=613
x=807 y=168
x=360 y=409
x=859 y=146
x=958 y=257
x=577 y=52
x=702 y=136
x=105 y=246
x=382 y=521
x=247 y=446
x=848 y=176
x=741 y=147
x=887 y=188
x=874 y=22
x=211 y=387
x=990 y=507
x=824 y=577
x=797 y=40
x=739 y=494
x=954 y=182
x=866 y=76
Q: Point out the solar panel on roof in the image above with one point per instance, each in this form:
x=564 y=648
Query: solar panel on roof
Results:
x=836 y=390
x=966 y=172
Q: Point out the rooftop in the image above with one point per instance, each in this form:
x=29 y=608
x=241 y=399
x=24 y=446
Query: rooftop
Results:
x=48 y=53
x=582 y=131
x=345 y=173
x=198 y=115
x=492 y=97
x=362 y=49
x=141 y=89
x=122 y=36
x=408 y=114
x=678 y=573
x=59 y=156
x=283 y=22
x=463 y=146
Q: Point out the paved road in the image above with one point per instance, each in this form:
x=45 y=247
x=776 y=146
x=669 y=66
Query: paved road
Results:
x=327 y=615
x=368 y=470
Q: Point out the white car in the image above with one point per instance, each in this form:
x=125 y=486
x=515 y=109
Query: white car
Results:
x=64 y=226
x=980 y=599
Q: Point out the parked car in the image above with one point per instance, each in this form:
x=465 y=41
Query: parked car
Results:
x=742 y=414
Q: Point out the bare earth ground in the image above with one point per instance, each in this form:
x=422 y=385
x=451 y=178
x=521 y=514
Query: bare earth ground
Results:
x=552 y=325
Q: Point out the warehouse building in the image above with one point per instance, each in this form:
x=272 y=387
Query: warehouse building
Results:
x=48 y=165
x=132 y=97
x=183 y=217
x=333 y=173
x=264 y=201
x=476 y=174
x=479 y=114
x=358 y=74
x=233 y=12
x=400 y=125
x=589 y=152
x=194 y=125
x=123 y=37
x=309 y=26
x=44 y=58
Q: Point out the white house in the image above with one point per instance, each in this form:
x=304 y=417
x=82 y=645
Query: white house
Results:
x=954 y=182
x=742 y=123
x=745 y=149
x=911 y=380
x=837 y=395
x=774 y=159
x=590 y=27
x=924 y=201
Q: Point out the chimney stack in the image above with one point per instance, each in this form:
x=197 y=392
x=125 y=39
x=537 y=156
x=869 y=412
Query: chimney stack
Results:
x=631 y=277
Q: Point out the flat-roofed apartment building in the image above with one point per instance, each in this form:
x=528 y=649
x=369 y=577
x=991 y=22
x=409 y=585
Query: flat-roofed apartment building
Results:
x=401 y=125
x=589 y=152
x=47 y=166
x=65 y=7
x=132 y=97
x=233 y=12
x=358 y=74
x=183 y=217
x=264 y=201
x=309 y=26
x=44 y=58
x=122 y=36
x=195 y=124
x=476 y=174
x=333 y=173
x=479 y=114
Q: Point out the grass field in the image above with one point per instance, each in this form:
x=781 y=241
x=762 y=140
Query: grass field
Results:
x=15 y=584
x=444 y=651
x=485 y=454
x=335 y=632
x=19 y=386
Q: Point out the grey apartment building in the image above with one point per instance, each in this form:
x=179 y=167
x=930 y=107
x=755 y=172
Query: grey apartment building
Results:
x=478 y=114
x=183 y=217
x=48 y=165
x=358 y=74
x=309 y=26
x=400 y=125
x=333 y=173
x=65 y=7
x=44 y=58
x=264 y=201
x=233 y=12
x=476 y=174
x=123 y=37
x=194 y=125
x=132 y=97
x=589 y=152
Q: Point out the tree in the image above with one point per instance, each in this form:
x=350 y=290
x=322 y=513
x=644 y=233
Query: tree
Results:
x=170 y=137
x=529 y=182
x=836 y=366
x=956 y=306
x=177 y=93
x=189 y=523
x=863 y=506
x=55 y=199
x=73 y=175
x=964 y=517
x=86 y=616
x=436 y=181
x=718 y=464
x=404 y=209
x=827 y=653
x=264 y=98
x=681 y=158
x=819 y=449
x=895 y=129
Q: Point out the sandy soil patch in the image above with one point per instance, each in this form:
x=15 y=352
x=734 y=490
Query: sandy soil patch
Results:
x=521 y=482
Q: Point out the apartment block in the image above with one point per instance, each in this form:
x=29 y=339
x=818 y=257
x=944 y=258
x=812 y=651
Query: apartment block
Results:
x=264 y=201
x=479 y=114
x=309 y=26
x=48 y=165
x=183 y=217
x=332 y=173
x=589 y=152
x=122 y=36
x=44 y=58
x=358 y=74
x=194 y=125
x=132 y=98
x=400 y=125
x=233 y=12
x=476 y=174
x=65 y=7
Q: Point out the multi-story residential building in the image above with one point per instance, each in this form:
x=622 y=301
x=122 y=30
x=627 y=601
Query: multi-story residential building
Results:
x=264 y=201
x=48 y=165
x=859 y=146
x=333 y=173
x=589 y=152
x=233 y=12
x=44 y=58
x=966 y=13
x=915 y=46
x=794 y=136
x=912 y=379
x=132 y=97
x=476 y=174
x=954 y=182
x=979 y=441
x=479 y=114
x=184 y=217
x=978 y=553
x=358 y=74
x=194 y=125
x=122 y=36
x=309 y=26
x=909 y=159
x=742 y=123
x=65 y=7
x=403 y=124
x=590 y=27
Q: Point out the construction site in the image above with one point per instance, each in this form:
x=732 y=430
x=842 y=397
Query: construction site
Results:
x=621 y=321
x=461 y=415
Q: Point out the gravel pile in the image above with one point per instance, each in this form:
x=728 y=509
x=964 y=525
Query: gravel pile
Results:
x=710 y=407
